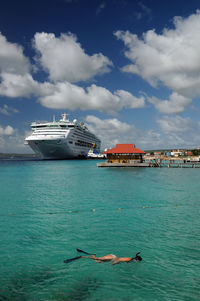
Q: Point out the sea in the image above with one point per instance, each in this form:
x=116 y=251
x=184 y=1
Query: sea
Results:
x=48 y=209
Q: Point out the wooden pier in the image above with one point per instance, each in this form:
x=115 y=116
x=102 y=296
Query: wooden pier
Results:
x=176 y=164
x=156 y=164
x=115 y=164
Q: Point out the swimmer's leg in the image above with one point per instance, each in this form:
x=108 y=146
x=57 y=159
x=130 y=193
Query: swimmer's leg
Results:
x=89 y=257
x=105 y=258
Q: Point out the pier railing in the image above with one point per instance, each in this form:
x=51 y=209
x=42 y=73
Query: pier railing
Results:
x=154 y=163
x=174 y=163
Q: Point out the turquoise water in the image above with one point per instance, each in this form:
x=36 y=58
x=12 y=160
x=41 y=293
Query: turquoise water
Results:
x=50 y=208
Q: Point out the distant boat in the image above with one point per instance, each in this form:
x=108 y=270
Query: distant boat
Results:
x=95 y=155
x=62 y=139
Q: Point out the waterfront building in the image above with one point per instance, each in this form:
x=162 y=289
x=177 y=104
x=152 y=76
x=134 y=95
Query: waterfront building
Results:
x=189 y=153
x=177 y=153
x=124 y=153
x=157 y=154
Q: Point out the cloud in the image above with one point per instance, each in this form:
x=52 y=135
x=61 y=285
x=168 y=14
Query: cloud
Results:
x=12 y=141
x=7 y=110
x=179 y=131
x=64 y=95
x=173 y=132
x=145 y=12
x=7 y=131
x=100 y=8
x=65 y=60
x=176 y=103
x=171 y=58
x=112 y=131
x=129 y=100
x=175 y=124
x=12 y=59
x=15 y=68
x=17 y=85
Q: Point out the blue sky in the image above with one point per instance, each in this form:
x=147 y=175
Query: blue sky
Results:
x=129 y=69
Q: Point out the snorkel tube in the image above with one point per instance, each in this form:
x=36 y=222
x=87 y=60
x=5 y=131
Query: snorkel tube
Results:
x=137 y=257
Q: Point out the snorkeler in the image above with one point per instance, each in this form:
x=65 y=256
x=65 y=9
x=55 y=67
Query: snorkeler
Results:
x=114 y=258
x=106 y=258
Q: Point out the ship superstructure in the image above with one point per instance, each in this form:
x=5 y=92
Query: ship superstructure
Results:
x=63 y=139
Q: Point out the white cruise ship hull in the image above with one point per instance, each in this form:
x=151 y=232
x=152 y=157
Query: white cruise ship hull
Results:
x=57 y=149
x=52 y=149
x=62 y=140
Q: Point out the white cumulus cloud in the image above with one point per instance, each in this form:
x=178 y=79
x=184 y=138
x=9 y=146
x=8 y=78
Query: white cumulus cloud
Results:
x=176 y=103
x=64 y=95
x=112 y=131
x=173 y=132
x=172 y=57
x=12 y=141
x=65 y=60
x=179 y=131
x=15 y=68
x=17 y=85
x=7 y=131
x=12 y=59
x=176 y=124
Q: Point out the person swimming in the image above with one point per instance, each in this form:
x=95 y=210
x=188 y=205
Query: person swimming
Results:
x=110 y=257
x=114 y=259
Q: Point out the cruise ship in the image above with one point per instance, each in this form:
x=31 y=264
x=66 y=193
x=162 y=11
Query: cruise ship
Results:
x=63 y=139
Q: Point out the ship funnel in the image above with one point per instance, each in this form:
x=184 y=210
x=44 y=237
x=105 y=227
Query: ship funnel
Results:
x=64 y=115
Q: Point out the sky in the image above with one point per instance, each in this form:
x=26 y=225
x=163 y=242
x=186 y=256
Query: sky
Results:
x=128 y=69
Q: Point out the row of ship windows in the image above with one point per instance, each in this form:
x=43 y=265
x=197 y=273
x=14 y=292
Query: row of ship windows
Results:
x=89 y=139
x=83 y=136
x=81 y=143
x=78 y=135
x=78 y=131
x=48 y=133
x=86 y=140
x=53 y=126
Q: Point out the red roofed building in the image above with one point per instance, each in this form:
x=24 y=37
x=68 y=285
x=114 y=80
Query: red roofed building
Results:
x=124 y=153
